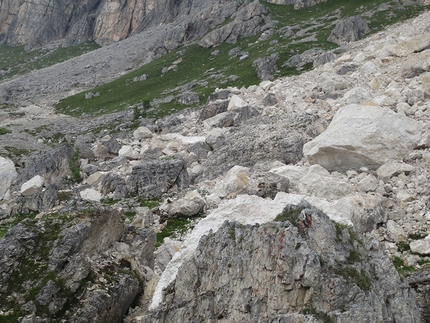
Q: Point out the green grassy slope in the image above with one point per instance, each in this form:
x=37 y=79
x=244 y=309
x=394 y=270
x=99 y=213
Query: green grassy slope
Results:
x=15 y=60
x=209 y=71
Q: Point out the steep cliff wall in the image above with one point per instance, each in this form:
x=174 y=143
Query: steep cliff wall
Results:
x=35 y=23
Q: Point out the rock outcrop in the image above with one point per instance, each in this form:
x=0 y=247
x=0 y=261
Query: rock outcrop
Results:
x=302 y=269
x=348 y=30
x=371 y=136
x=7 y=174
x=40 y=22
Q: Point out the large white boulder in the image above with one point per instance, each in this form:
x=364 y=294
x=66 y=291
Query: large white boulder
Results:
x=320 y=183
x=32 y=186
x=142 y=133
x=414 y=44
x=7 y=174
x=363 y=136
x=91 y=195
x=191 y=204
x=234 y=182
x=421 y=247
x=235 y=104
x=314 y=181
x=128 y=152
x=96 y=178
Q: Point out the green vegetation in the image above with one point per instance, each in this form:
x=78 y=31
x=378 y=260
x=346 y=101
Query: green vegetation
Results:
x=403 y=246
x=129 y=214
x=340 y=233
x=248 y=307
x=175 y=227
x=4 y=131
x=74 y=167
x=16 y=60
x=17 y=152
x=150 y=98
x=109 y=201
x=399 y=264
x=417 y=236
x=152 y=204
x=354 y=256
x=359 y=277
x=289 y=214
x=324 y=317
x=6 y=225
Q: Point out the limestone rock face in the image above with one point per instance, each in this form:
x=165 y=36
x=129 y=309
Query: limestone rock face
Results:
x=281 y=268
x=246 y=23
x=36 y=23
x=7 y=174
x=51 y=165
x=349 y=29
x=371 y=136
x=151 y=179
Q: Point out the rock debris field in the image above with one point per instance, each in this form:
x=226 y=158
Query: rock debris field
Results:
x=347 y=142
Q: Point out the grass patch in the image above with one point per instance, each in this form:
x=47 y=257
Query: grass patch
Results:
x=152 y=204
x=209 y=72
x=4 y=131
x=75 y=170
x=359 y=277
x=354 y=256
x=399 y=264
x=403 y=246
x=109 y=201
x=290 y=213
x=16 y=60
x=130 y=214
x=17 y=152
x=417 y=236
x=6 y=225
x=174 y=228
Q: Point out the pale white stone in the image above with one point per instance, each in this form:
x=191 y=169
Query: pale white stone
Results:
x=128 y=152
x=218 y=120
x=414 y=44
x=405 y=196
x=142 y=133
x=186 y=140
x=266 y=85
x=236 y=104
x=7 y=174
x=323 y=186
x=190 y=205
x=369 y=183
x=292 y=172
x=90 y=194
x=214 y=136
x=395 y=231
x=369 y=68
x=421 y=247
x=363 y=136
x=390 y=169
x=32 y=186
x=95 y=178
x=234 y=182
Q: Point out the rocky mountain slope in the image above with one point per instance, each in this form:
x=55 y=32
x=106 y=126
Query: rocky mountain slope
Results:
x=302 y=198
